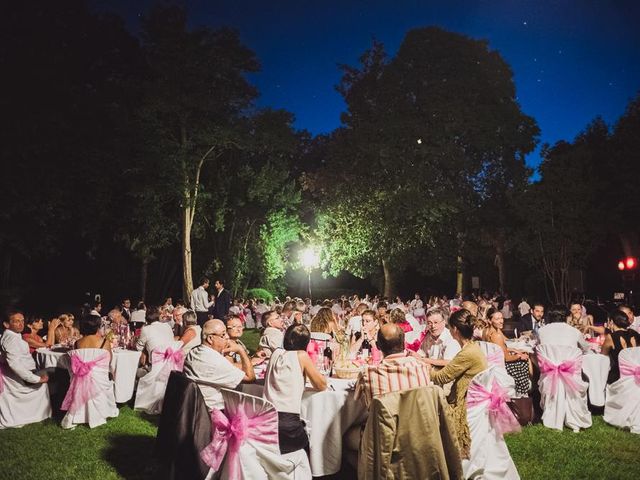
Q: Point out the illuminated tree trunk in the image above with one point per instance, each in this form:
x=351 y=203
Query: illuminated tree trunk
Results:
x=389 y=280
x=459 y=275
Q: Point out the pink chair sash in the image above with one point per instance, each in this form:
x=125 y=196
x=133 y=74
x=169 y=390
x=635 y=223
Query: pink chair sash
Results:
x=82 y=387
x=564 y=372
x=496 y=358
x=172 y=359
x=627 y=369
x=501 y=417
x=229 y=434
x=415 y=345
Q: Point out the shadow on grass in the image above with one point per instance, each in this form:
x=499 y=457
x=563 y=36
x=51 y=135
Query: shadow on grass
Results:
x=132 y=456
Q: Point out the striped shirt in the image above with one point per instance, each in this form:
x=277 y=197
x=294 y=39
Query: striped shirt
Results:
x=396 y=372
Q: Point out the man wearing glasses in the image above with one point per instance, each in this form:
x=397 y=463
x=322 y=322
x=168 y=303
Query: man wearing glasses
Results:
x=206 y=364
x=438 y=345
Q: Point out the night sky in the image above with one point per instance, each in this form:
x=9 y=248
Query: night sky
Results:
x=572 y=60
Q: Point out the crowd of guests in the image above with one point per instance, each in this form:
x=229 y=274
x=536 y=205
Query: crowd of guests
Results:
x=402 y=345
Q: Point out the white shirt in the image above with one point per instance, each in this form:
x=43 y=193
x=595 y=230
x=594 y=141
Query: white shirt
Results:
x=445 y=347
x=636 y=324
x=15 y=352
x=271 y=339
x=200 y=300
x=354 y=325
x=139 y=316
x=205 y=364
x=284 y=382
x=155 y=335
x=416 y=303
x=561 y=333
x=313 y=311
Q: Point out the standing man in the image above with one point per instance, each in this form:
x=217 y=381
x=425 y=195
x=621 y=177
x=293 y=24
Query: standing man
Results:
x=200 y=301
x=126 y=309
x=223 y=301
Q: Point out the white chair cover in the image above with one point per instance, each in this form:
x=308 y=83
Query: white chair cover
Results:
x=21 y=403
x=564 y=406
x=259 y=460
x=152 y=386
x=495 y=358
x=96 y=411
x=489 y=453
x=622 y=407
x=596 y=369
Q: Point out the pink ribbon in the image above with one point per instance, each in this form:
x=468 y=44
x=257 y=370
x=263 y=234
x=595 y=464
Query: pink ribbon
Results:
x=172 y=359
x=501 y=417
x=415 y=345
x=82 y=387
x=627 y=369
x=564 y=372
x=496 y=358
x=229 y=434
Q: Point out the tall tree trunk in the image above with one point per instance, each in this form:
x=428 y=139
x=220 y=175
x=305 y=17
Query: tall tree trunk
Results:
x=499 y=263
x=144 y=273
x=187 y=274
x=459 y=275
x=389 y=280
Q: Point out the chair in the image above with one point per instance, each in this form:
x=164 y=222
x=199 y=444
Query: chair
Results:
x=244 y=442
x=563 y=392
x=489 y=418
x=493 y=352
x=420 y=443
x=622 y=407
x=184 y=430
x=90 y=397
x=21 y=403
x=152 y=386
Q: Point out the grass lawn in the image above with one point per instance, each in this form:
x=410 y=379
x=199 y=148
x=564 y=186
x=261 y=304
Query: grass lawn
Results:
x=123 y=449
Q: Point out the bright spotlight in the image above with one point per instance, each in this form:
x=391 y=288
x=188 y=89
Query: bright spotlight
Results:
x=310 y=258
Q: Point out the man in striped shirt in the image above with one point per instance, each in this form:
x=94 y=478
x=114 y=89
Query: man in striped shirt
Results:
x=396 y=372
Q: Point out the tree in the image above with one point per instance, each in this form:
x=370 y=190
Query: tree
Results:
x=423 y=135
x=194 y=102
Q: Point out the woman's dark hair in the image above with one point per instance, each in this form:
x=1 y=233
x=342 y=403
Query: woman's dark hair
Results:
x=463 y=320
x=90 y=324
x=557 y=314
x=141 y=305
x=31 y=319
x=490 y=312
x=620 y=319
x=296 y=337
x=152 y=315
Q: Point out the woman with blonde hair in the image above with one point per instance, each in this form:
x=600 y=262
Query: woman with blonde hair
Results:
x=66 y=332
x=324 y=322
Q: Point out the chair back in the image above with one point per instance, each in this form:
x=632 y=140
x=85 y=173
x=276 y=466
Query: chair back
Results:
x=493 y=352
x=623 y=396
x=151 y=387
x=89 y=371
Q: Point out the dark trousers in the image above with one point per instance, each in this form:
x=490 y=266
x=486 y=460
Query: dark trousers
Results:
x=202 y=317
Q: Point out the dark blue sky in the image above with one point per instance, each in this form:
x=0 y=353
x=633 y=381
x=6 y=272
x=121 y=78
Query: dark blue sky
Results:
x=572 y=60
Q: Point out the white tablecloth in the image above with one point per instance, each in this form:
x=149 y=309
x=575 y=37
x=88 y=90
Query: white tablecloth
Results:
x=520 y=345
x=329 y=415
x=124 y=364
x=596 y=367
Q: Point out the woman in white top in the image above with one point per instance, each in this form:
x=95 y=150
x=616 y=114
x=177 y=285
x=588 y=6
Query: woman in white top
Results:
x=284 y=383
x=192 y=336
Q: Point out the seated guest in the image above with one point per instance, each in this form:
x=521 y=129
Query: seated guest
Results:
x=192 y=336
x=139 y=315
x=619 y=338
x=284 y=385
x=115 y=317
x=355 y=321
x=516 y=363
x=206 y=364
x=577 y=320
x=154 y=334
x=18 y=367
x=367 y=337
x=90 y=336
x=35 y=341
x=235 y=329
x=558 y=332
x=272 y=336
x=469 y=361
x=398 y=317
x=324 y=322
x=397 y=371
x=66 y=332
x=533 y=320
x=439 y=345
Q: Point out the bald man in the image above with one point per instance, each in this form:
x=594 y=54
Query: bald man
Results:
x=207 y=363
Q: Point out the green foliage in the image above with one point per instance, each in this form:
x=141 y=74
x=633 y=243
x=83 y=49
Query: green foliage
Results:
x=259 y=293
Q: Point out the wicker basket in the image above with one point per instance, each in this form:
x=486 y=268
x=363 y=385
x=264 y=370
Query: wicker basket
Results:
x=346 y=373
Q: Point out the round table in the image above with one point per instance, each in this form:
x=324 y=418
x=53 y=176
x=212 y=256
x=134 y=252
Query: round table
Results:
x=124 y=364
x=328 y=414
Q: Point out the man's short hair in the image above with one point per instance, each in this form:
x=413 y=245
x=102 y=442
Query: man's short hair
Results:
x=437 y=311
x=204 y=280
x=537 y=304
x=393 y=341
x=557 y=314
x=232 y=316
x=266 y=316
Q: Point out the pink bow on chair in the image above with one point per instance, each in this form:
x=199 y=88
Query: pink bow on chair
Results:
x=172 y=359
x=501 y=417
x=82 y=387
x=628 y=369
x=565 y=372
x=496 y=358
x=228 y=435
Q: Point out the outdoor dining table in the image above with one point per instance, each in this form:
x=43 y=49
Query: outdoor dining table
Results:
x=123 y=367
x=328 y=415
